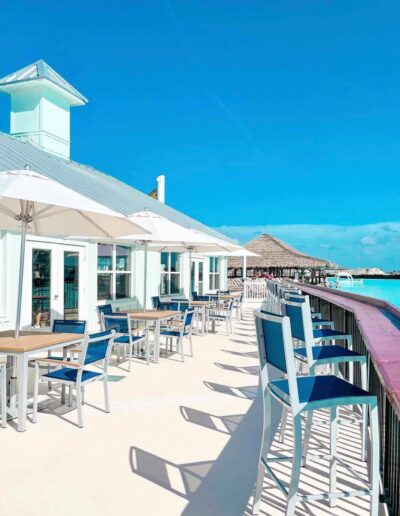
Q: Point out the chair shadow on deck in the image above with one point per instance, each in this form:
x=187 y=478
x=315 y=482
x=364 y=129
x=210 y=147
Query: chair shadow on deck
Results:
x=207 y=485
x=252 y=370
x=223 y=424
x=248 y=392
x=180 y=479
x=246 y=342
x=249 y=354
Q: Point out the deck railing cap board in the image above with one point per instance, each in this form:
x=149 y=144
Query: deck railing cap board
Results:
x=380 y=334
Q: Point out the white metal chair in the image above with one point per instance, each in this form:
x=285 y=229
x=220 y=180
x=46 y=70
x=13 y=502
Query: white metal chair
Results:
x=238 y=306
x=222 y=314
x=95 y=348
x=178 y=330
x=127 y=336
x=301 y=395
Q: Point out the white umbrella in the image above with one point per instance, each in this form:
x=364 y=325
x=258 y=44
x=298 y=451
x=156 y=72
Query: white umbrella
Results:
x=165 y=235
x=31 y=201
x=162 y=232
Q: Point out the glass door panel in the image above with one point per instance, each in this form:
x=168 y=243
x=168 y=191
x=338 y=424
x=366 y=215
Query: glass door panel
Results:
x=41 y=288
x=193 y=277
x=71 y=285
x=200 y=278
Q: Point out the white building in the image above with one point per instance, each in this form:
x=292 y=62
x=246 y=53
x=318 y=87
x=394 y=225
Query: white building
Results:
x=68 y=279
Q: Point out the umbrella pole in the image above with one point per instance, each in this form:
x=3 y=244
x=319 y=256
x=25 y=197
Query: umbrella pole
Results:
x=21 y=277
x=145 y=278
x=190 y=274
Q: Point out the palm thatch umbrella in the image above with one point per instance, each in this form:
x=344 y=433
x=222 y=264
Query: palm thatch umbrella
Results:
x=275 y=256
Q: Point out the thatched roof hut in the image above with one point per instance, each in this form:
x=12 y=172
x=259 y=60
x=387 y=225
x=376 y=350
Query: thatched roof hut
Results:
x=275 y=255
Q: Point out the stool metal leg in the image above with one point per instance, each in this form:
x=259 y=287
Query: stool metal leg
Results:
x=333 y=446
x=283 y=425
x=307 y=435
x=296 y=466
x=265 y=444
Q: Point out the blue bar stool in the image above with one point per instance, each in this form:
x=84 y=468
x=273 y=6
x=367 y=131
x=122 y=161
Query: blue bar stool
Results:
x=331 y=355
x=301 y=395
x=317 y=320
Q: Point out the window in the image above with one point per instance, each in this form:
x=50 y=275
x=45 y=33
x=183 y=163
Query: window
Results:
x=170 y=273
x=214 y=273
x=114 y=271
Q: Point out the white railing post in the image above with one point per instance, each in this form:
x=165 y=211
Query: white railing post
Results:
x=255 y=290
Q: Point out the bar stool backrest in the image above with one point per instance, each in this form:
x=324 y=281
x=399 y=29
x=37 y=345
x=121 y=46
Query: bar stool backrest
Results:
x=300 y=322
x=275 y=348
x=295 y=298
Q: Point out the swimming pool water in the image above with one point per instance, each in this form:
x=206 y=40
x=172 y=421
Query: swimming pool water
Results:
x=387 y=289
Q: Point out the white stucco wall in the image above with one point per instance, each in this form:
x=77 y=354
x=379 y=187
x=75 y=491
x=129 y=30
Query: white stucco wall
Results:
x=9 y=267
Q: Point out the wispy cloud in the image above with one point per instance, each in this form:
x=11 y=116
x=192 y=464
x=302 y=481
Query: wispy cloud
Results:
x=198 y=69
x=369 y=245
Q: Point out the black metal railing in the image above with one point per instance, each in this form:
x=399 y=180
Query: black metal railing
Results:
x=389 y=415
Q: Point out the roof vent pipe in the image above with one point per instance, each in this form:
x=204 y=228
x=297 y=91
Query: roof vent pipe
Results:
x=161 y=188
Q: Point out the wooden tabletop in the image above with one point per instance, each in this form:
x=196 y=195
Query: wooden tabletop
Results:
x=230 y=296
x=201 y=303
x=35 y=341
x=152 y=315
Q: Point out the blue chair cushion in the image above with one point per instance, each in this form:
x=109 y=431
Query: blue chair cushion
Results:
x=124 y=339
x=319 y=320
x=327 y=352
x=171 y=333
x=319 y=388
x=327 y=332
x=69 y=375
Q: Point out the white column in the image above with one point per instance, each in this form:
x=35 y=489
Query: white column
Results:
x=244 y=267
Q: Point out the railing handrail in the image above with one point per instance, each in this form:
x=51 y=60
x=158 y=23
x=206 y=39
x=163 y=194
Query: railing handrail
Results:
x=394 y=310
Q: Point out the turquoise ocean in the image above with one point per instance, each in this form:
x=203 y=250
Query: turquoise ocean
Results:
x=386 y=289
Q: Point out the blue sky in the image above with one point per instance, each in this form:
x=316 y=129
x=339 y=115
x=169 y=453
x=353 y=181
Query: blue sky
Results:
x=283 y=116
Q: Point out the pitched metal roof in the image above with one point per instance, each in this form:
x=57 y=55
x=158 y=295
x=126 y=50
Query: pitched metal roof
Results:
x=41 y=70
x=105 y=189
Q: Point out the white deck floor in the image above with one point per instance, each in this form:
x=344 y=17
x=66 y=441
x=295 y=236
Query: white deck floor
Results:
x=182 y=438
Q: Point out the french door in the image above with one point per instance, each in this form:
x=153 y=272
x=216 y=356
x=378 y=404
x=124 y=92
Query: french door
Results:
x=54 y=284
x=197 y=277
